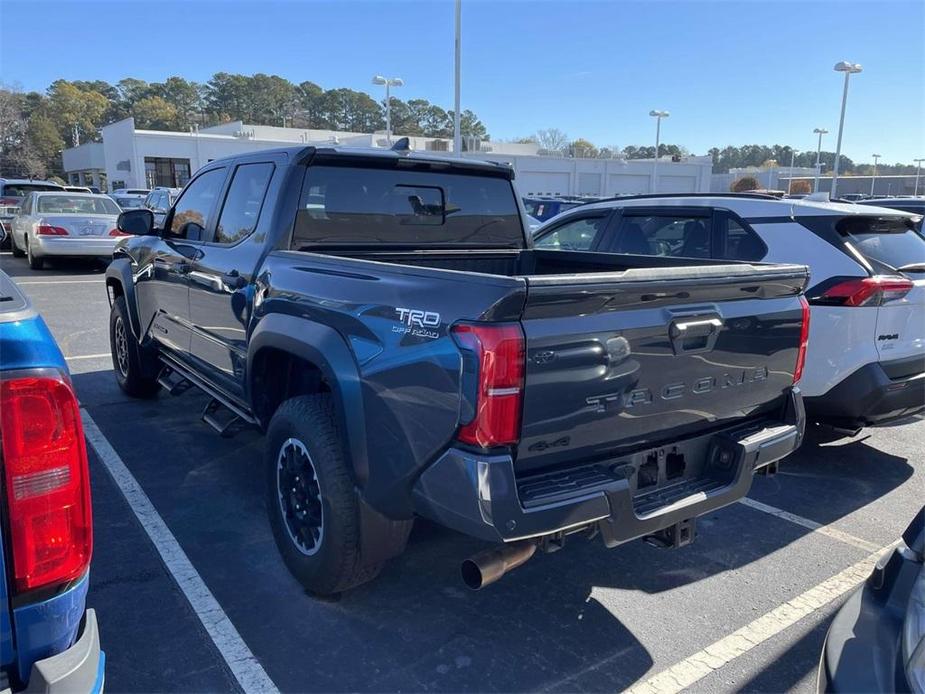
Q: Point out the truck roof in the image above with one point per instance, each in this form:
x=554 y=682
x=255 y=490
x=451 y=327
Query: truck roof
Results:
x=373 y=155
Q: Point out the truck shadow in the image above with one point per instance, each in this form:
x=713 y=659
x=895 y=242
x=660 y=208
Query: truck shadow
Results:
x=581 y=618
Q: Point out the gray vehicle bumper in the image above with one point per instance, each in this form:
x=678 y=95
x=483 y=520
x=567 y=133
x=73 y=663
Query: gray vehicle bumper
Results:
x=87 y=246
x=482 y=496
x=78 y=669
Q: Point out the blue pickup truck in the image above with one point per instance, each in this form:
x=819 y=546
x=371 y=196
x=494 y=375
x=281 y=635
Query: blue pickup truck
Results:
x=49 y=641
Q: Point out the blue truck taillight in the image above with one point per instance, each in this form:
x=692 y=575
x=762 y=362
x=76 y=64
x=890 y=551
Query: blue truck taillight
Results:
x=498 y=351
x=47 y=480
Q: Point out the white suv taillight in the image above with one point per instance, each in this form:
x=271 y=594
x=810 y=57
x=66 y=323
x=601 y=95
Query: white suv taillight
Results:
x=865 y=291
x=804 y=340
x=499 y=352
x=47 y=480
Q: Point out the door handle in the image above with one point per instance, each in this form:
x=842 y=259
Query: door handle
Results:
x=696 y=328
x=694 y=336
x=181 y=268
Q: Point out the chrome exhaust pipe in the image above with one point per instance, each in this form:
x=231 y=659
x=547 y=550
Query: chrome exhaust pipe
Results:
x=487 y=567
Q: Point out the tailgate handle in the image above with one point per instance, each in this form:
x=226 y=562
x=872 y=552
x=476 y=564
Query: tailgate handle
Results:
x=692 y=336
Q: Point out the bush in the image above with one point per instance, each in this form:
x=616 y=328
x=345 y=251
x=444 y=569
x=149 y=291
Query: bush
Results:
x=745 y=184
x=800 y=188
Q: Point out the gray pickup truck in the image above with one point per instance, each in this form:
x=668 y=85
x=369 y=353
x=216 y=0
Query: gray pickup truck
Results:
x=383 y=317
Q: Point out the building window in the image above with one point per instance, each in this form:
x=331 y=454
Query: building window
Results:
x=165 y=172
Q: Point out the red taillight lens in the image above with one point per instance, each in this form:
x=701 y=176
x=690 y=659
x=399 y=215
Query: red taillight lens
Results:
x=47 y=481
x=9 y=201
x=499 y=351
x=865 y=291
x=116 y=232
x=804 y=341
x=46 y=230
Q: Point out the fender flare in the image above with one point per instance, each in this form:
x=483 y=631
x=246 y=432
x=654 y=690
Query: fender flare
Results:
x=325 y=348
x=120 y=272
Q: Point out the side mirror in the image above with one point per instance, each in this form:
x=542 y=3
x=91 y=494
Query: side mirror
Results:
x=136 y=222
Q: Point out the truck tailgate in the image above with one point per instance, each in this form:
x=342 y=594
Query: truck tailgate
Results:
x=623 y=360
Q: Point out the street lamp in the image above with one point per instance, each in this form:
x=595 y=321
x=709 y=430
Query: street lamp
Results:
x=849 y=69
x=658 y=115
x=917 y=171
x=793 y=155
x=873 y=179
x=388 y=82
x=820 y=132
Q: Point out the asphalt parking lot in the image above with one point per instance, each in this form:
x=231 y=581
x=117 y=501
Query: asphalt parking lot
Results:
x=746 y=607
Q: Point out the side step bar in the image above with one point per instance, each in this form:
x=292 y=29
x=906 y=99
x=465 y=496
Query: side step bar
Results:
x=176 y=379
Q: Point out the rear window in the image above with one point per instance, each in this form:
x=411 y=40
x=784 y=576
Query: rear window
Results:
x=80 y=203
x=892 y=241
x=21 y=190
x=343 y=205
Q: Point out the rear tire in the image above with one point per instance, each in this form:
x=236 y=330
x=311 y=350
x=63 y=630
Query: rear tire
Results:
x=35 y=262
x=127 y=355
x=17 y=251
x=312 y=502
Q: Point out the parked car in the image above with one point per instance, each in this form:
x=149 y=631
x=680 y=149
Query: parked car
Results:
x=544 y=209
x=159 y=201
x=866 y=358
x=383 y=318
x=914 y=205
x=50 y=639
x=129 y=202
x=65 y=224
x=131 y=191
x=876 y=643
x=12 y=192
x=77 y=189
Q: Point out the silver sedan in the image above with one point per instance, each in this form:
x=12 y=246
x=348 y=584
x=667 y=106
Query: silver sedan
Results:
x=62 y=224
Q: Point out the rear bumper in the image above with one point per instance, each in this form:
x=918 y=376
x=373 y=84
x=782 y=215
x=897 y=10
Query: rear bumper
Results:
x=874 y=394
x=81 y=668
x=89 y=246
x=480 y=495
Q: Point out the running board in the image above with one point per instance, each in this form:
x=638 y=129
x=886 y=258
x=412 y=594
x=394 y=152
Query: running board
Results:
x=177 y=379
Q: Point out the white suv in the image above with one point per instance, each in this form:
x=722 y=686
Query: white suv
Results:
x=866 y=358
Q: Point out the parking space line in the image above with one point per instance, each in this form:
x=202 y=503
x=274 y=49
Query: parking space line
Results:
x=99 y=281
x=89 y=356
x=238 y=657
x=692 y=669
x=827 y=530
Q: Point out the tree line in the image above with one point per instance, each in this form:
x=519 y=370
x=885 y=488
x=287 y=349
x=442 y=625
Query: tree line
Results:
x=35 y=127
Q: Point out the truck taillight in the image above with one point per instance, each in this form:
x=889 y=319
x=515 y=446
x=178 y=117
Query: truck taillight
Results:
x=865 y=291
x=47 y=481
x=804 y=340
x=116 y=232
x=498 y=351
x=48 y=230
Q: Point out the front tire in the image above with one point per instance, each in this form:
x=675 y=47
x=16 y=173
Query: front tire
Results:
x=35 y=262
x=312 y=502
x=127 y=354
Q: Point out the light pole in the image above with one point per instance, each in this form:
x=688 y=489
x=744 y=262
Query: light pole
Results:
x=917 y=172
x=793 y=155
x=457 y=133
x=873 y=179
x=820 y=132
x=849 y=69
x=658 y=115
x=388 y=82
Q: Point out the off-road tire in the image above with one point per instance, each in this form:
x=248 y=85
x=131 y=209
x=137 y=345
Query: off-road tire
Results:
x=127 y=355
x=336 y=563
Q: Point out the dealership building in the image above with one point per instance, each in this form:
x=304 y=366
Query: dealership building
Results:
x=131 y=158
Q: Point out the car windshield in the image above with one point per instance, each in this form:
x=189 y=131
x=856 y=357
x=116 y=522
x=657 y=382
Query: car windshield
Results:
x=76 y=204
x=21 y=190
x=889 y=240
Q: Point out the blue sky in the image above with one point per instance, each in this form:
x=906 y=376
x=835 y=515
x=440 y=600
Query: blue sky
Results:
x=731 y=72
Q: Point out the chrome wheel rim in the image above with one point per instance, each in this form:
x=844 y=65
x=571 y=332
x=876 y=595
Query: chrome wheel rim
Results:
x=121 y=347
x=299 y=496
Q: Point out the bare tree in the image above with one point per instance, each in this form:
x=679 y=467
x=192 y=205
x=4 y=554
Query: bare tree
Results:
x=551 y=141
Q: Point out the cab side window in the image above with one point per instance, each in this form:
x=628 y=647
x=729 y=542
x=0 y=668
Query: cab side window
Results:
x=243 y=203
x=193 y=213
x=574 y=235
